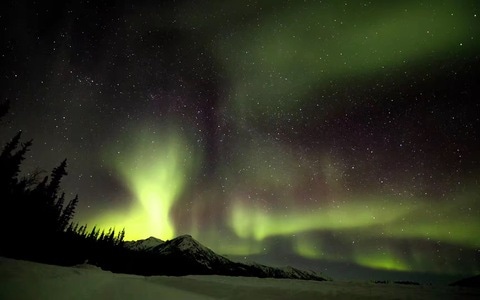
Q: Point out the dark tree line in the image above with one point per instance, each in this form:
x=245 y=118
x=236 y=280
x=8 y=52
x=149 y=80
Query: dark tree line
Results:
x=36 y=218
x=36 y=222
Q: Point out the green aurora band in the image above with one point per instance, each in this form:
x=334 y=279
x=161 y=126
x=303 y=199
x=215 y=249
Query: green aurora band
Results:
x=154 y=168
x=371 y=220
x=318 y=43
x=278 y=71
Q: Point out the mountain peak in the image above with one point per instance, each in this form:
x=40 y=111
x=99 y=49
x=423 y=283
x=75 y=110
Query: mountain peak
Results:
x=152 y=238
x=145 y=244
x=184 y=255
x=184 y=236
x=187 y=242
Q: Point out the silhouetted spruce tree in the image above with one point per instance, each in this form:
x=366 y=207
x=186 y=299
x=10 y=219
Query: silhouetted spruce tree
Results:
x=10 y=162
x=26 y=204
x=11 y=192
x=46 y=208
x=10 y=146
x=121 y=237
x=38 y=207
x=93 y=234
x=59 y=205
x=67 y=214
x=56 y=177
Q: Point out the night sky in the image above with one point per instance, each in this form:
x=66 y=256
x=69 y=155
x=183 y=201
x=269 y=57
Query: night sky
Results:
x=339 y=136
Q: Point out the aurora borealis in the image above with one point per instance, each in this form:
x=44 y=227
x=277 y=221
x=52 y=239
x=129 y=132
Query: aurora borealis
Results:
x=309 y=133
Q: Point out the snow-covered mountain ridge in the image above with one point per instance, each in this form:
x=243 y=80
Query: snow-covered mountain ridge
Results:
x=184 y=255
x=146 y=244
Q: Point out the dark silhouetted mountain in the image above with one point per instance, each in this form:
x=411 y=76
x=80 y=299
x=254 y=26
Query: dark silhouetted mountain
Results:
x=143 y=245
x=468 y=282
x=186 y=256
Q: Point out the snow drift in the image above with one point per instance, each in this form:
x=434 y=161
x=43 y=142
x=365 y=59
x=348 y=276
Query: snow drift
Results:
x=22 y=280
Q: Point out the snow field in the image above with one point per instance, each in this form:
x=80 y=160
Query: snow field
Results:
x=22 y=280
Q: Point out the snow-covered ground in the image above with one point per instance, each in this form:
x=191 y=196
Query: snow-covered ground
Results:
x=27 y=280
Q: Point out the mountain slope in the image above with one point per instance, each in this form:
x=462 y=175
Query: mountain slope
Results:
x=146 y=244
x=468 y=282
x=190 y=250
x=185 y=256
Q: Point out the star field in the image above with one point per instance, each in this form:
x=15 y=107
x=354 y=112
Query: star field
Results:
x=338 y=136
